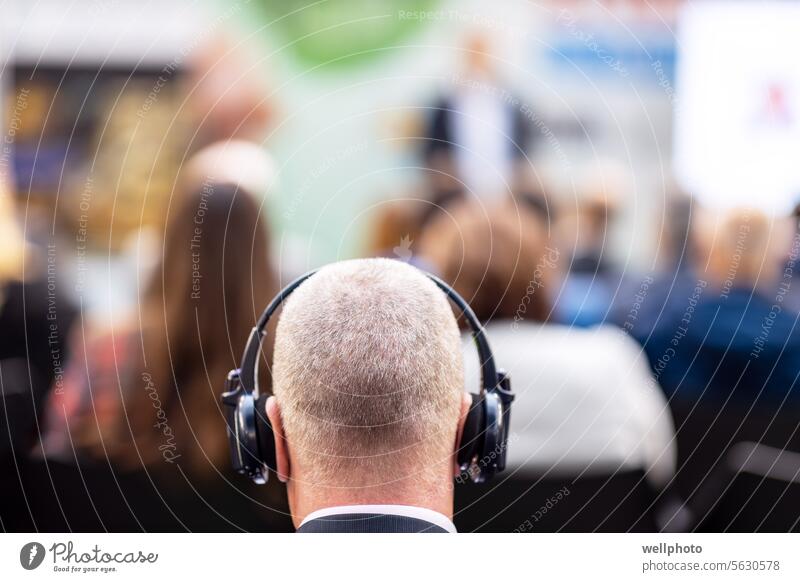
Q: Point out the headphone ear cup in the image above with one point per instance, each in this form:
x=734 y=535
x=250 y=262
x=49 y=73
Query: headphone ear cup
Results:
x=265 y=436
x=472 y=435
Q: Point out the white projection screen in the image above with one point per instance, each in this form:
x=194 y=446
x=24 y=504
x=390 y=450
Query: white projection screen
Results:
x=737 y=111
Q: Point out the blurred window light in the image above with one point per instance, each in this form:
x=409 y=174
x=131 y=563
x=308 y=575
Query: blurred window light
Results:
x=737 y=111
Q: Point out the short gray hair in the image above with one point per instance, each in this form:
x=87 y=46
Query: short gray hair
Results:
x=368 y=368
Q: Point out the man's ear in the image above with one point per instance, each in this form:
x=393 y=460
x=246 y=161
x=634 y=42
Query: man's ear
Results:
x=281 y=447
x=466 y=402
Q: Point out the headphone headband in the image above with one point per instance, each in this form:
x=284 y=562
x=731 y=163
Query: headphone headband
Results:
x=249 y=365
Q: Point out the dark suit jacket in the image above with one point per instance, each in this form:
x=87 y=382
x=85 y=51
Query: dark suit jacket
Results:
x=368 y=523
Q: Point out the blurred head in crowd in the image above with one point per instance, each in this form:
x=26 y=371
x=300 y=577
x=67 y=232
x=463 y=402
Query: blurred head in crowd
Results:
x=588 y=222
x=397 y=224
x=539 y=203
x=213 y=282
x=741 y=248
x=497 y=258
x=395 y=221
x=478 y=55
x=368 y=385
x=228 y=93
x=236 y=162
x=15 y=248
x=591 y=225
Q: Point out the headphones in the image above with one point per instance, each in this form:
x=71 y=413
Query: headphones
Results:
x=484 y=441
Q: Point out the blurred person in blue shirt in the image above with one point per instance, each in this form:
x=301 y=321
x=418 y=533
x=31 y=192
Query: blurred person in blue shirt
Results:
x=729 y=337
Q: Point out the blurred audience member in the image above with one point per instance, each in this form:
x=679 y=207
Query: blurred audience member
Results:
x=148 y=396
x=539 y=203
x=790 y=278
x=394 y=229
x=593 y=280
x=731 y=339
x=645 y=299
x=399 y=223
x=35 y=317
x=229 y=96
x=585 y=398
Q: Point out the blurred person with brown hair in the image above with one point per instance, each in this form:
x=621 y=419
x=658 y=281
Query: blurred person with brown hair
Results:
x=213 y=280
x=732 y=339
x=395 y=226
x=398 y=223
x=145 y=399
x=585 y=399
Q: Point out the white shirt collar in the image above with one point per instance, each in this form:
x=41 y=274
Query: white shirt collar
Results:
x=422 y=513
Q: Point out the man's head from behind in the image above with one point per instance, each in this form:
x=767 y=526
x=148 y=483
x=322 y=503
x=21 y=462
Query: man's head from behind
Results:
x=368 y=386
